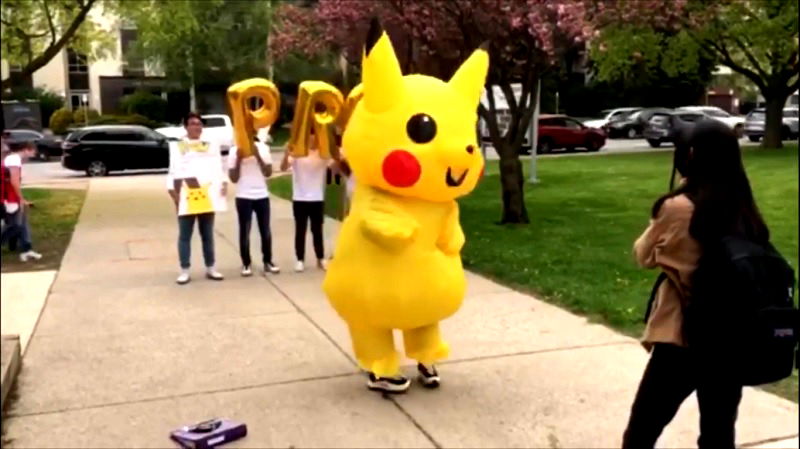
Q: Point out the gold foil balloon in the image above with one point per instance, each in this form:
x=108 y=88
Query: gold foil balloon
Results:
x=247 y=121
x=350 y=105
x=318 y=107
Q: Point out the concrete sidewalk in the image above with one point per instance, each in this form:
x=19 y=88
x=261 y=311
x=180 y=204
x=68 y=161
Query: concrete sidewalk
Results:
x=122 y=355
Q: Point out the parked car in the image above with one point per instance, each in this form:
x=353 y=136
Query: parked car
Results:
x=46 y=146
x=560 y=131
x=216 y=128
x=754 y=124
x=664 y=126
x=734 y=122
x=609 y=115
x=632 y=125
x=98 y=150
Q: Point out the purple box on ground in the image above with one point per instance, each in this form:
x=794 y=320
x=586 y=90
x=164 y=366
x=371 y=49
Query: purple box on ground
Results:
x=209 y=434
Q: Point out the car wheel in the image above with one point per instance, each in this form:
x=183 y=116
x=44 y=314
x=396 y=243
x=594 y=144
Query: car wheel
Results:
x=738 y=130
x=631 y=133
x=655 y=143
x=96 y=169
x=544 y=147
x=754 y=138
x=592 y=146
x=44 y=156
x=786 y=133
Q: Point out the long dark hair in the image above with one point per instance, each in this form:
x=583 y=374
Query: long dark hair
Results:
x=709 y=158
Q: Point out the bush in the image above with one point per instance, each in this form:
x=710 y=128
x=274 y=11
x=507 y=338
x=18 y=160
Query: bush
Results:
x=60 y=121
x=79 y=116
x=146 y=104
x=134 y=119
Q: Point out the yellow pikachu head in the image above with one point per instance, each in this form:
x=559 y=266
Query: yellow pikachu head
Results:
x=415 y=135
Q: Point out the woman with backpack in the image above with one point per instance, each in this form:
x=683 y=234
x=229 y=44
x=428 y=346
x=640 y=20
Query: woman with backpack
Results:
x=713 y=201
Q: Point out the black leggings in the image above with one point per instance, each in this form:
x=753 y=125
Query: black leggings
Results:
x=672 y=374
x=305 y=211
x=246 y=208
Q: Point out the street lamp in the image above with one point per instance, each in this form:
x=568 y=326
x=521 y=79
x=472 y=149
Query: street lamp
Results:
x=85 y=104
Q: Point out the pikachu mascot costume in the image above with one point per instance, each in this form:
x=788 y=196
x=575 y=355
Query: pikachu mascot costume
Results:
x=412 y=145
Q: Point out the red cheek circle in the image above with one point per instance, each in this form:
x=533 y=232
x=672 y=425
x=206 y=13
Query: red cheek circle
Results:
x=483 y=172
x=401 y=169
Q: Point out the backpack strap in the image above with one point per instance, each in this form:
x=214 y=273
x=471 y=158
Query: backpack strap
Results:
x=661 y=278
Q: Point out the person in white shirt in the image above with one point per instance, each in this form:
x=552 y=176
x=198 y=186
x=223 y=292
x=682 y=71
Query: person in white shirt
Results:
x=252 y=196
x=16 y=228
x=194 y=159
x=308 y=200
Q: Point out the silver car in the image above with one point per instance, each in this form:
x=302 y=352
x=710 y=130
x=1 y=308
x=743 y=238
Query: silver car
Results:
x=754 y=124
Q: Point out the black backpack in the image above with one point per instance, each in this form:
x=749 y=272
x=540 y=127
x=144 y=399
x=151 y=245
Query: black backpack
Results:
x=740 y=316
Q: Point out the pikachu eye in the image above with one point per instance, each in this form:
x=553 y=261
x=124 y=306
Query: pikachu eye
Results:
x=421 y=128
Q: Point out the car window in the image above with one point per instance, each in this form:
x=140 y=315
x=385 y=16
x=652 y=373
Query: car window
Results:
x=572 y=124
x=127 y=136
x=96 y=136
x=790 y=113
x=690 y=117
x=25 y=135
x=716 y=113
x=213 y=122
x=757 y=115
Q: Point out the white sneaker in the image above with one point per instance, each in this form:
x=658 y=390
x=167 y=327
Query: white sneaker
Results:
x=299 y=266
x=322 y=264
x=28 y=255
x=272 y=268
x=247 y=271
x=213 y=274
x=183 y=278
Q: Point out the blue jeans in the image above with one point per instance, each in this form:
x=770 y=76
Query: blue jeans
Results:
x=205 y=223
x=17 y=229
x=246 y=208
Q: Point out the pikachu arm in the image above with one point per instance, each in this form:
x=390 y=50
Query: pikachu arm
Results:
x=451 y=239
x=387 y=224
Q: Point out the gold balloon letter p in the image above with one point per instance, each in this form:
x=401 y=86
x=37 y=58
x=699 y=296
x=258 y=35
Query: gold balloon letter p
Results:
x=318 y=107
x=246 y=121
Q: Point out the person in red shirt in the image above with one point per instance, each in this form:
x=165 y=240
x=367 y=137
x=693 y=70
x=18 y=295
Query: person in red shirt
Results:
x=15 y=207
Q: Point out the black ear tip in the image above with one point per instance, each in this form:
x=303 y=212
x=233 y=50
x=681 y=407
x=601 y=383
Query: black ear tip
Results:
x=484 y=46
x=375 y=31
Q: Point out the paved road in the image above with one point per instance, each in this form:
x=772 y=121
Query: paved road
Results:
x=52 y=174
x=121 y=355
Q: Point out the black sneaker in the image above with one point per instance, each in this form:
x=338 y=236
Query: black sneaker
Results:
x=428 y=376
x=388 y=384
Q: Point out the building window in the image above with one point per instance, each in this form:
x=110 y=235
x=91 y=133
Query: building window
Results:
x=131 y=65
x=76 y=99
x=78 y=67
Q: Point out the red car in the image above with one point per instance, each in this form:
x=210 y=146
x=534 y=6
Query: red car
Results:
x=560 y=131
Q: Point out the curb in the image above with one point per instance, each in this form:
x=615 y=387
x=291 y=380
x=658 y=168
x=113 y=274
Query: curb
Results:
x=11 y=358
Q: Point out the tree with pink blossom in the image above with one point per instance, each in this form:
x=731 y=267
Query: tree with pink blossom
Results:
x=526 y=38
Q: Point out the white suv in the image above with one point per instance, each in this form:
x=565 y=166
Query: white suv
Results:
x=734 y=122
x=216 y=128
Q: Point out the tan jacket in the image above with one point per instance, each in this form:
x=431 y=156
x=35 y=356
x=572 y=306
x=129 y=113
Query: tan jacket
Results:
x=666 y=244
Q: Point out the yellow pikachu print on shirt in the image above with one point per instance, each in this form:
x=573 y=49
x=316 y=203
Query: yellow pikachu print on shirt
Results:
x=198 y=199
x=412 y=145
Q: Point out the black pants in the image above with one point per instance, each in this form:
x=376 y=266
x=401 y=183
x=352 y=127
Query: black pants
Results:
x=672 y=374
x=245 y=209
x=305 y=211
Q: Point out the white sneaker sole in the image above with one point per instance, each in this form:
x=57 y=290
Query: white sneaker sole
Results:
x=388 y=387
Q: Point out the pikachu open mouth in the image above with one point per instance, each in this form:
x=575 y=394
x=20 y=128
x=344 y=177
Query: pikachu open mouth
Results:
x=452 y=182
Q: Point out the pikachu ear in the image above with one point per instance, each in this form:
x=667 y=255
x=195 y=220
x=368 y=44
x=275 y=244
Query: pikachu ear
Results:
x=380 y=71
x=471 y=76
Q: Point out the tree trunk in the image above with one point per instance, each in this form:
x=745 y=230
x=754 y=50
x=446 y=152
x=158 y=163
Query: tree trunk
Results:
x=511 y=180
x=774 y=122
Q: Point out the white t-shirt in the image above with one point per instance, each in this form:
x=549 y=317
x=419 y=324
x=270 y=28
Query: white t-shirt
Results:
x=252 y=185
x=13 y=160
x=308 y=177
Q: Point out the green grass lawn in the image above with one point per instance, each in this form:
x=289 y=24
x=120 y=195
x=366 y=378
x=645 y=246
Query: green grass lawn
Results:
x=585 y=215
x=52 y=220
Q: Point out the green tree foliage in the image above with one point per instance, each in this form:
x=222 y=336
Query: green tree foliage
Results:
x=35 y=31
x=145 y=104
x=60 y=121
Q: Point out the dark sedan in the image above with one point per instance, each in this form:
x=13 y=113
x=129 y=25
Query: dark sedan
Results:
x=98 y=150
x=662 y=126
x=632 y=125
x=46 y=146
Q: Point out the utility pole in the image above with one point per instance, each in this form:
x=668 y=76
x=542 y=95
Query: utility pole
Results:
x=533 y=179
